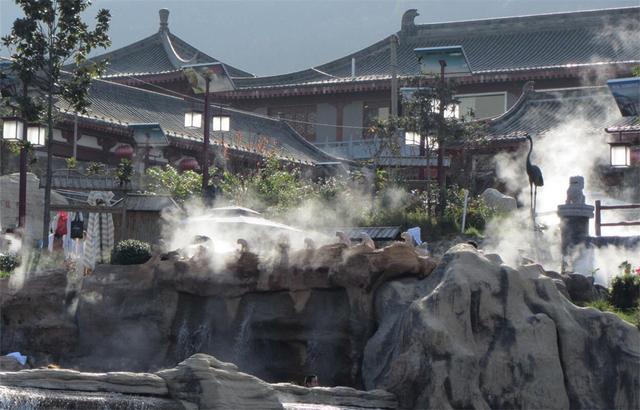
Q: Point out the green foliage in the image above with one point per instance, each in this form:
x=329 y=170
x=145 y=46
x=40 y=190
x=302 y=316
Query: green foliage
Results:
x=72 y=163
x=636 y=71
x=8 y=263
x=180 y=185
x=478 y=213
x=276 y=187
x=52 y=34
x=95 y=168
x=625 y=288
x=130 y=252
x=14 y=147
x=628 y=315
x=473 y=232
x=124 y=171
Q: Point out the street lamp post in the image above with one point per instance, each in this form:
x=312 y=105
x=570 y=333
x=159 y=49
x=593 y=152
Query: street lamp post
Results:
x=449 y=60
x=200 y=76
x=205 y=149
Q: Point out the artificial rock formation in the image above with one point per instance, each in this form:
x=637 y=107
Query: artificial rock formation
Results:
x=473 y=333
x=280 y=322
x=478 y=334
x=200 y=382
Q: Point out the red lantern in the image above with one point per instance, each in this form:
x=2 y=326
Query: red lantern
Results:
x=124 y=151
x=188 y=164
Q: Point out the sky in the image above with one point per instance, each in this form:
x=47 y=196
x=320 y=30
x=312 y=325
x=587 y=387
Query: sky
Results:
x=267 y=37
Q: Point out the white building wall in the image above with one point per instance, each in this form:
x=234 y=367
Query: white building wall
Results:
x=325 y=114
x=352 y=117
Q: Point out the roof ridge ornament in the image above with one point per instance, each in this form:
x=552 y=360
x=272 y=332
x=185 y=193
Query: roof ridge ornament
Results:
x=408 y=23
x=164 y=19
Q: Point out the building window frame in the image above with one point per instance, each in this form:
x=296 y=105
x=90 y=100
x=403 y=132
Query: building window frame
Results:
x=503 y=93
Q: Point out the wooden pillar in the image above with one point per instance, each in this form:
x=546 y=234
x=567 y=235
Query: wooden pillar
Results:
x=123 y=224
x=598 y=217
x=339 y=120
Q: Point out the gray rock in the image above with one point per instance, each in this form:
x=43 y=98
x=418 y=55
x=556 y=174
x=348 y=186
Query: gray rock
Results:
x=485 y=336
x=499 y=201
x=207 y=383
x=581 y=288
x=64 y=379
x=340 y=397
x=10 y=364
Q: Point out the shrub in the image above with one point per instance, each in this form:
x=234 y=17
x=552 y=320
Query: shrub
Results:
x=478 y=213
x=95 y=168
x=8 y=263
x=124 y=171
x=72 y=163
x=130 y=252
x=625 y=291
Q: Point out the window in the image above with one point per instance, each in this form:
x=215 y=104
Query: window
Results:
x=483 y=105
x=413 y=138
x=303 y=117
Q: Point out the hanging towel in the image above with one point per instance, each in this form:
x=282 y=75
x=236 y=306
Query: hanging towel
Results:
x=99 y=241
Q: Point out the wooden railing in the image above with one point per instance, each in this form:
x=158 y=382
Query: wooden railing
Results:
x=600 y=208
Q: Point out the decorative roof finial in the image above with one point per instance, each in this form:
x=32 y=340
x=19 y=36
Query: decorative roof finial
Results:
x=164 y=19
x=408 y=23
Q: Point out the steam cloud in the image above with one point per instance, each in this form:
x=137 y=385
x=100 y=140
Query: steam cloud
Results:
x=577 y=146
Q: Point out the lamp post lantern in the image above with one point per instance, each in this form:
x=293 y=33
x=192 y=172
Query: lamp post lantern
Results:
x=14 y=129
x=36 y=134
x=620 y=154
x=193 y=119
x=222 y=124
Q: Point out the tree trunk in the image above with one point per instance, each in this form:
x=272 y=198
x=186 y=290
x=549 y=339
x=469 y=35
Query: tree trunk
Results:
x=442 y=189
x=22 y=193
x=442 y=196
x=47 y=191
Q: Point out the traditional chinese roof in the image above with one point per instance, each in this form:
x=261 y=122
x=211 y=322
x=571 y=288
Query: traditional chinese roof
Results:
x=117 y=106
x=553 y=43
x=149 y=202
x=537 y=113
x=625 y=124
x=159 y=54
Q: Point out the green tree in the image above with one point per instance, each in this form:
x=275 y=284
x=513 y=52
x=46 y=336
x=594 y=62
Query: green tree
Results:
x=180 y=185
x=50 y=36
x=433 y=113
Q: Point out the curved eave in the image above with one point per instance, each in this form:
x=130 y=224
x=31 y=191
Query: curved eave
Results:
x=383 y=82
x=176 y=139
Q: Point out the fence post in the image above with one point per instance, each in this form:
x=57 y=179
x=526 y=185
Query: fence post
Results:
x=598 y=220
x=464 y=211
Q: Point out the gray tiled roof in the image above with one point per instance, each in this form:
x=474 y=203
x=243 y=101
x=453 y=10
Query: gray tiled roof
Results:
x=149 y=56
x=380 y=233
x=74 y=180
x=122 y=105
x=625 y=124
x=492 y=46
x=539 y=112
x=148 y=202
